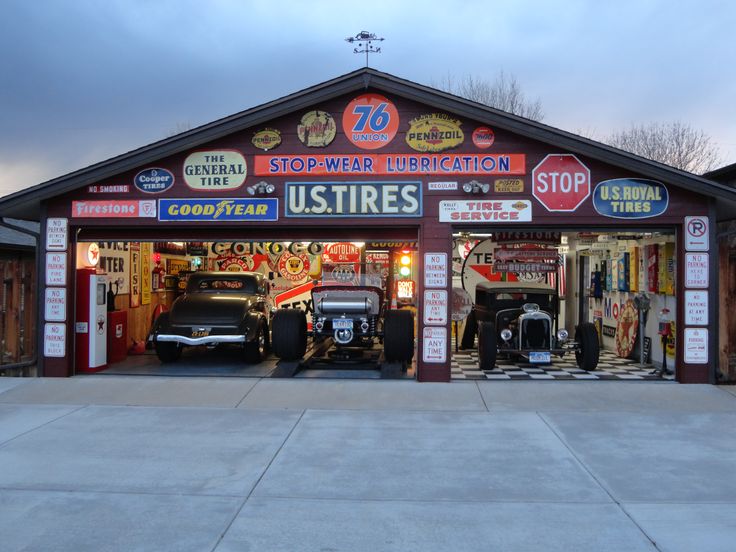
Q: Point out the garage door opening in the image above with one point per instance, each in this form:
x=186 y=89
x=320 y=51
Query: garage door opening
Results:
x=564 y=305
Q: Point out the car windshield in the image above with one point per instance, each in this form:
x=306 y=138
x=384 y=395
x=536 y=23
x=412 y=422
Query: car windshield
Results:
x=222 y=284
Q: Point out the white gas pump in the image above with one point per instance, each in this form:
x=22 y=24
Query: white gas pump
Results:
x=91 y=321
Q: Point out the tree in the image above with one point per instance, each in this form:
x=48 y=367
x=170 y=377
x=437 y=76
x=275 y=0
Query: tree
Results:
x=503 y=93
x=676 y=144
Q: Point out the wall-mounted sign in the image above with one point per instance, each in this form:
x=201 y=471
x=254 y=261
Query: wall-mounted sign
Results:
x=435 y=270
x=237 y=249
x=316 y=129
x=526 y=254
x=549 y=238
x=55 y=304
x=343 y=252
x=472 y=210
x=383 y=164
x=108 y=189
x=696 y=346
x=56 y=269
x=696 y=308
x=57 y=234
x=630 y=198
x=114 y=208
x=54 y=340
x=508 y=185
x=626 y=329
x=146 y=253
x=93 y=254
x=154 y=181
x=215 y=171
x=441 y=186
x=435 y=307
x=353 y=199
x=532 y=268
x=433 y=133
x=370 y=121
x=115 y=262
x=135 y=274
x=412 y=246
x=697 y=270
x=266 y=139
x=434 y=344
x=561 y=182
x=175 y=266
x=294 y=268
x=483 y=137
x=230 y=209
x=696 y=234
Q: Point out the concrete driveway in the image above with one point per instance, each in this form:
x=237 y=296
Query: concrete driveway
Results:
x=153 y=463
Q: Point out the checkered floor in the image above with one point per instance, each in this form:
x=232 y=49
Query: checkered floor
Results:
x=610 y=367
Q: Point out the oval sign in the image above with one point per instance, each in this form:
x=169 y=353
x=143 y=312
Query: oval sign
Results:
x=630 y=198
x=215 y=171
x=433 y=133
x=153 y=181
x=266 y=139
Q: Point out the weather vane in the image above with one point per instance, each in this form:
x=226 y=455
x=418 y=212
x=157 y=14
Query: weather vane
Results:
x=364 y=40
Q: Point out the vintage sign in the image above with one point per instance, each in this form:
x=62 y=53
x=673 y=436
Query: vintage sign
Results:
x=386 y=164
x=108 y=189
x=353 y=199
x=478 y=267
x=525 y=267
x=434 y=344
x=525 y=254
x=626 y=329
x=342 y=252
x=433 y=133
x=93 y=254
x=225 y=249
x=154 y=181
x=370 y=121
x=483 y=137
x=298 y=297
x=115 y=262
x=236 y=264
x=462 y=304
x=696 y=345
x=696 y=234
x=696 y=270
x=266 y=139
x=316 y=129
x=54 y=340
x=441 y=186
x=392 y=245
x=57 y=234
x=548 y=238
x=114 y=208
x=561 y=182
x=630 y=198
x=435 y=270
x=55 y=304
x=217 y=210
x=435 y=307
x=508 y=185
x=294 y=268
x=175 y=266
x=56 y=269
x=135 y=274
x=506 y=210
x=146 y=254
x=215 y=171
x=696 y=308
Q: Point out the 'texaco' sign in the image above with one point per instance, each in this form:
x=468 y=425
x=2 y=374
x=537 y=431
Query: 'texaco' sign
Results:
x=561 y=182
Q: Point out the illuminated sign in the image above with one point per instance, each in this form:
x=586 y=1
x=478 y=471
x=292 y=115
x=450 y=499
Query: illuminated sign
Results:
x=114 y=208
x=382 y=164
x=215 y=171
x=370 y=121
x=153 y=181
x=353 y=199
x=630 y=198
x=507 y=210
x=432 y=133
x=215 y=210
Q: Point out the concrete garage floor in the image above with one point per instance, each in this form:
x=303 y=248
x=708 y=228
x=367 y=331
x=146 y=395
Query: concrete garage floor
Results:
x=201 y=464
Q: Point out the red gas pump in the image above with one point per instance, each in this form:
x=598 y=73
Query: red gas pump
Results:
x=90 y=326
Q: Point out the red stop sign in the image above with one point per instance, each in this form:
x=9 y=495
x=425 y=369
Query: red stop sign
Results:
x=561 y=182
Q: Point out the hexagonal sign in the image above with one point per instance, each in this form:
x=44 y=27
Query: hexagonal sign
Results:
x=561 y=182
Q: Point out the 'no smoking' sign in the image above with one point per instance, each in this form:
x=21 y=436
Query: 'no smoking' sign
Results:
x=696 y=234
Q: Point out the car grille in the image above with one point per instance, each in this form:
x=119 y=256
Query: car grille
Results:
x=535 y=333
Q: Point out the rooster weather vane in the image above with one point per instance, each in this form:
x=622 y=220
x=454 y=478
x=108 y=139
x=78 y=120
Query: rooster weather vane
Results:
x=365 y=46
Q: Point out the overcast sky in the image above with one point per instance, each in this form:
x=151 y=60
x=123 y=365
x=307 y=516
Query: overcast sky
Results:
x=85 y=80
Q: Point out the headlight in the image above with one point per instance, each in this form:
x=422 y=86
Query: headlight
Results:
x=530 y=307
x=562 y=334
x=505 y=334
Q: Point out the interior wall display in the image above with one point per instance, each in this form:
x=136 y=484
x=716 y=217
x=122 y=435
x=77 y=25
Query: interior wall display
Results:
x=236 y=264
x=626 y=329
x=266 y=139
x=317 y=129
x=630 y=198
x=353 y=199
x=197 y=249
x=175 y=266
x=114 y=208
x=154 y=181
x=508 y=185
x=483 y=137
x=215 y=170
x=370 y=121
x=341 y=252
x=146 y=272
x=634 y=269
x=653 y=267
x=294 y=268
x=667 y=268
x=135 y=274
x=548 y=238
x=478 y=267
x=219 y=210
x=115 y=262
x=505 y=210
x=434 y=133
x=623 y=271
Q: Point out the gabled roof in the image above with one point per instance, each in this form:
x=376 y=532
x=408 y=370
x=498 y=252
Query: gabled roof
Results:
x=26 y=203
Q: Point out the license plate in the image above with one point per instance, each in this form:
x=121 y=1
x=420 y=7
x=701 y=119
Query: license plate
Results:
x=200 y=332
x=539 y=357
x=342 y=324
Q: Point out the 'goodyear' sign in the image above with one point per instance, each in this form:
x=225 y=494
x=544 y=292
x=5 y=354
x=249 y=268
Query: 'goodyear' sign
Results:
x=214 y=210
x=630 y=198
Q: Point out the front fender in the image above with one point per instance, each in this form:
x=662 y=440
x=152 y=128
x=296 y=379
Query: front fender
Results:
x=250 y=324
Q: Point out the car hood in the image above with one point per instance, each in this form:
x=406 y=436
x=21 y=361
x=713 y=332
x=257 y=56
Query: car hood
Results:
x=210 y=309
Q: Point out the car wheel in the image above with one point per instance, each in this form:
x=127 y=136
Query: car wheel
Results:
x=168 y=351
x=255 y=350
x=471 y=328
x=398 y=336
x=487 y=345
x=289 y=334
x=589 y=349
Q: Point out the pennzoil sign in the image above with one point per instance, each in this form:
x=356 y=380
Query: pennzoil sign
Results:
x=266 y=139
x=433 y=133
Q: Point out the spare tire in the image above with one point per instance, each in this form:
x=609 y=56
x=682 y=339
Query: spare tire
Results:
x=398 y=336
x=289 y=334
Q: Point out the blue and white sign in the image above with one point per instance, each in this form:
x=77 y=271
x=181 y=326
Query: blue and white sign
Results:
x=216 y=210
x=630 y=198
x=154 y=181
x=354 y=199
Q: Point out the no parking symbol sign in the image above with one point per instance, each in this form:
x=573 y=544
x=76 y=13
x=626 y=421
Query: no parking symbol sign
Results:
x=696 y=234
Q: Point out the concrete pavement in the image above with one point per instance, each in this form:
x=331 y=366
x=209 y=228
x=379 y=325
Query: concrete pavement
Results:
x=153 y=463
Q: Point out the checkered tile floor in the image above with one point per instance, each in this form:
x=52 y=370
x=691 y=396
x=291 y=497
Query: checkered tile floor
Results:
x=610 y=367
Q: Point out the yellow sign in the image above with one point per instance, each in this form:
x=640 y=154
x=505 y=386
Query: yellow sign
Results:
x=146 y=253
x=174 y=266
x=505 y=185
x=316 y=129
x=433 y=133
x=266 y=139
x=215 y=170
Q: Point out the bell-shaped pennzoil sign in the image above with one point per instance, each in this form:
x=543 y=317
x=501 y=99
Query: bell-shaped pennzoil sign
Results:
x=433 y=133
x=630 y=198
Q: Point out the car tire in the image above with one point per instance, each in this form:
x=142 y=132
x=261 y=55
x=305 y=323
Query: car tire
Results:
x=471 y=328
x=168 y=351
x=588 y=351
x=487 y=345
x=289 y=334
x=398 y=336
x=255 y=350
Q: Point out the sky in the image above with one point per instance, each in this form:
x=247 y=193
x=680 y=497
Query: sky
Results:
x=85 y=80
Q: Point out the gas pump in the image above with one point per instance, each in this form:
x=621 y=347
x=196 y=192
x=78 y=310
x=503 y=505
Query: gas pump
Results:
x=91 y=321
